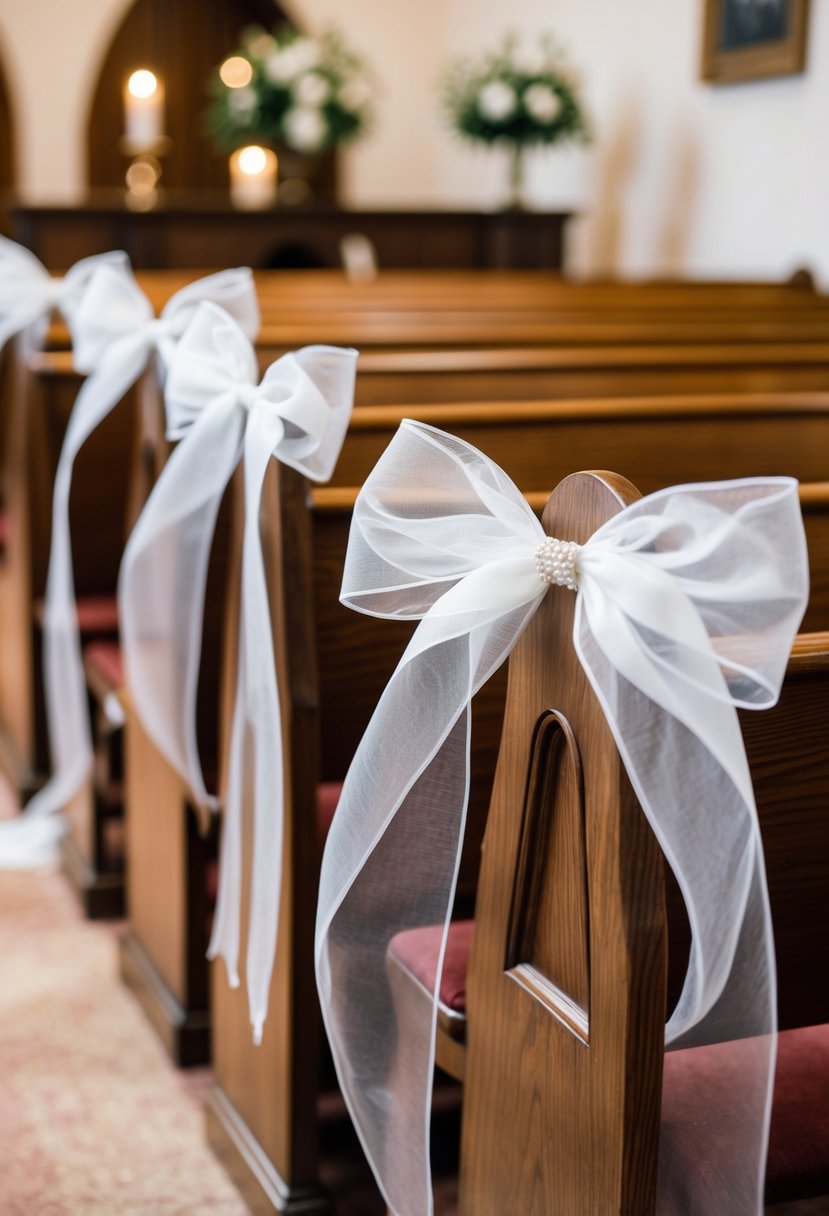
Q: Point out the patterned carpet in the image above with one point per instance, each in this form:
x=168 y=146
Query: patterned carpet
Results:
x=93 y=1119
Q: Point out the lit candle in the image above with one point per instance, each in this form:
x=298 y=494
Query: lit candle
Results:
x=253 y=178
x=143 y=110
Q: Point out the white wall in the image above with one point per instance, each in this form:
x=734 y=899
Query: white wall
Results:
x=681 y=178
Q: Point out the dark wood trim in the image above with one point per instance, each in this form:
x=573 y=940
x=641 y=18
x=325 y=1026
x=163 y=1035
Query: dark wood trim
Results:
x=186 y=230
x=185 y=1033
x=101 y=894
x=262 y=1188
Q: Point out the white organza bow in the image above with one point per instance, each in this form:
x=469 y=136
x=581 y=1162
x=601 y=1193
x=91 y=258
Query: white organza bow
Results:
x=298 y=413
x=115 y=336
x=29 y=294
x=441 y=533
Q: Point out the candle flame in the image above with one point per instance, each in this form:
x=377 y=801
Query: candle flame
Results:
x=253 y=160
x=142 y=83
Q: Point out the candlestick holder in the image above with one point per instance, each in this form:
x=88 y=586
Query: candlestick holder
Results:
x=144 y=171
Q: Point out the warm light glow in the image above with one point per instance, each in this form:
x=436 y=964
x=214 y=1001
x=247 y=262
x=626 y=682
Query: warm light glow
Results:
x=142 y=83
x=253 y=160
x=236 y=72
x=253 y=173
x=143 y=174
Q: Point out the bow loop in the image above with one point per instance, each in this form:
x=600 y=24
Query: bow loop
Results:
x=432 y=510
x=26 y=288
x=234 y=291
x=113 y=307
x=302 y=404
x=29 y=294
x=214 y=358
x=310 y=393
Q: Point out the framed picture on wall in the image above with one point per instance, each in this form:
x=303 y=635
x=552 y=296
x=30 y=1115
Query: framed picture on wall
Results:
x=753 y=39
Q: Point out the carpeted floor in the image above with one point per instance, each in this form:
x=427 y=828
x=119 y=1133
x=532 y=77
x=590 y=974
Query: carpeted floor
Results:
x=93 y=1119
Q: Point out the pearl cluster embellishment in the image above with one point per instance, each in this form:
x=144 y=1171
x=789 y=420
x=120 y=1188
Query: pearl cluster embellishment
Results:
x=555 y=561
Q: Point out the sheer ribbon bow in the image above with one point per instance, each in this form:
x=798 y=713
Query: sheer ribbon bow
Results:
x=115 y=335
x=688 y=602
x=29 y=294
x=298 y=413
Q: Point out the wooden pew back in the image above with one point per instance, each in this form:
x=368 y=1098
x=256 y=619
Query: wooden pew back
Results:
x=567 y=990
x=391 y=377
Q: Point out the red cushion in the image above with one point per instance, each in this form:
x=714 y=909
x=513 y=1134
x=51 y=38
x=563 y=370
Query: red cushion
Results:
x=96 y=613
x=106 y=659
x=700 y=1078
x=798 y=1160
x=328 y=795
x=417 y=950
x=212 y=881
x=799 y=1140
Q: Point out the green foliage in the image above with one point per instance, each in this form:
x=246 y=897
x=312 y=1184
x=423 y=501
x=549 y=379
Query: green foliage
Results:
x=517 y=97
x=306 y=93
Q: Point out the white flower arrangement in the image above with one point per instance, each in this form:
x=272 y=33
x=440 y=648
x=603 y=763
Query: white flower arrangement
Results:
x=308 y=94
x=516 y=96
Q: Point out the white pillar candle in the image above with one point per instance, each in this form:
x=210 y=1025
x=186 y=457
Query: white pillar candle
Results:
x=253 y=178
x=143 y=109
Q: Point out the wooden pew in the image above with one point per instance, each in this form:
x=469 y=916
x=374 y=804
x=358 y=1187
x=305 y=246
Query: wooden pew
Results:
x=57 y=365
x=608 y=433
x=262 y=1113
x=37 y=412
x=663 y=442
x=532 y=1086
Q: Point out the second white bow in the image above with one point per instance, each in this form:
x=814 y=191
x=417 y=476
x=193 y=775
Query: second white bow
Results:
x=298 y=413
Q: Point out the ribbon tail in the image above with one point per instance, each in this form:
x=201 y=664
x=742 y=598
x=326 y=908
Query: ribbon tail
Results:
x=65 y=685
x=390 y=864
x=226 y=931
x=257 y=732
x=688 y=793
x=162 y=588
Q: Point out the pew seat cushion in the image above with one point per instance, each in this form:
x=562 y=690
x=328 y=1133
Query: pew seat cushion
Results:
x=417 y=951
x=328 y=795
x=106 y=660
x=96 y=614
x=798 y=1158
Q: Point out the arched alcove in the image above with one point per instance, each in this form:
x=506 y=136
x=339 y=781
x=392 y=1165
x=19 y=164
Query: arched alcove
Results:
x=182 y=41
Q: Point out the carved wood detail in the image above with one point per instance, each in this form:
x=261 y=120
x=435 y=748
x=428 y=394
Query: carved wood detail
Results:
x=550 y=890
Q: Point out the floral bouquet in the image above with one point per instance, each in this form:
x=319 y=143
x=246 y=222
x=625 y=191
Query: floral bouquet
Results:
x=307 y=94
x=515 y=97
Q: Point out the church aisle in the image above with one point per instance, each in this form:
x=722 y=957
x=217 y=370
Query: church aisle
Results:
x=93 y=1119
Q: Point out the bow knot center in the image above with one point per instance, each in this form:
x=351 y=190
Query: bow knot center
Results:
x=160 y=328
x=56 y=290
x=555 y=561
x=248 y=394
